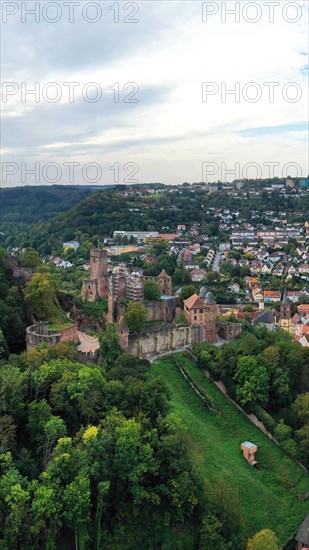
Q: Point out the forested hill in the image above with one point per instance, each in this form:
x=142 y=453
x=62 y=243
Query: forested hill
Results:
x=45 y=217
x=34 y=204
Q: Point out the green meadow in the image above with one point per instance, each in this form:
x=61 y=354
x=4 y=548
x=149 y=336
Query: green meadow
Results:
x=268 y=497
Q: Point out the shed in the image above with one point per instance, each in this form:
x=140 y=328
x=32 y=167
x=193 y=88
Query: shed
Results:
x=249 y=450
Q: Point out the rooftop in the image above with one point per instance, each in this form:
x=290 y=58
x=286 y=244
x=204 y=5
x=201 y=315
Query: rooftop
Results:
x=248 y=445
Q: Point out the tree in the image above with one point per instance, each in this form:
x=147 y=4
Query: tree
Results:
x=30 y=258
x=263 y=540
x=152 y=291
x=186 y=292
x=210 y=534
x=109 y=344
x=3 y=346
x=76 y=500
x=282 y=431
x=253 y=381
x=136 y=316
x=40 y=296
x=181 y=276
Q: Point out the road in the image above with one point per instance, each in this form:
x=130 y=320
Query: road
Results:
x=217 y=261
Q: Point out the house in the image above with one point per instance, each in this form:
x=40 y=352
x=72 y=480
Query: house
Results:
x=266 y=269
x=266 y=318
x=293 y=295
x=234 y=287
x=202 y=310
x=194 y=309
x=197 y=275
x=292 y=270
x=257 y=293
x=255 y=267
x=272 y=295
x=72 y=244
x=224 y=247
x=304 y=341
x=303 y=309
x=187 y=256
x=303 y=269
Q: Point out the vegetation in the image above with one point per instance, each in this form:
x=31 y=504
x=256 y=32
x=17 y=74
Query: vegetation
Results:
x=266 y=370
x=136 y=316
x=261 y=499
x=263 y=540
x=152 y=291
x=90 y=457
x=12 y=308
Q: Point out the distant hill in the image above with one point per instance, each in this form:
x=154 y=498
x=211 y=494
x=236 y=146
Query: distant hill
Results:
x=33 y=204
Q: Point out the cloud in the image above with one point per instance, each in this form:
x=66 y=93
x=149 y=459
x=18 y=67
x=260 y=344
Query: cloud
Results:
x=169 y=53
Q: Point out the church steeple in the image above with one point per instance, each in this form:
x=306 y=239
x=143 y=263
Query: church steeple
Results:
x=286 y=312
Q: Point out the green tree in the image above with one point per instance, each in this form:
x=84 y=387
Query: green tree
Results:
x=210 y=534
x=181 y=276
x=3 y=346
x=76 y=499
x=263 y=540
x=40 y=296
x=152 y=291
x=136 y=316
x=30 y=258
x=109 y=344
x=253 y=381
x=186 y=292
x=282 y=431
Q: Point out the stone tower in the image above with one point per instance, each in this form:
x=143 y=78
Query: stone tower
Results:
x=165 y=283
x=97 y=285
x=123 y=331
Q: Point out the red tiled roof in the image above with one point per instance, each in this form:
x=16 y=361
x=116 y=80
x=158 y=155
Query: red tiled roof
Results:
x=194 y=301
x=272 y=293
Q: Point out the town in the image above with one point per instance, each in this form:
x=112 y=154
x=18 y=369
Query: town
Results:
x=197 y=290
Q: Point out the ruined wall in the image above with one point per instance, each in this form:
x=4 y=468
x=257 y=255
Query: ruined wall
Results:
x=168 y=339
x=161 y=310
x=39 y=333
x=228 y=331
x=90 y=290
x=69 y=334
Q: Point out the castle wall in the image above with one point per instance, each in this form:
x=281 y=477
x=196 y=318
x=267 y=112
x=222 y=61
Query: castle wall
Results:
x=168 y=339
x=39 y=334
x=229 y=331
x=69 y=334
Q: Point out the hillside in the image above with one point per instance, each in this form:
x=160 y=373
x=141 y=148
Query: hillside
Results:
x=21 y=208
x=268 y=498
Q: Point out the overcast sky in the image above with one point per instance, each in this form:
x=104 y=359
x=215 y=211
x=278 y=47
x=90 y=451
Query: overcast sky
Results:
x=168 y=123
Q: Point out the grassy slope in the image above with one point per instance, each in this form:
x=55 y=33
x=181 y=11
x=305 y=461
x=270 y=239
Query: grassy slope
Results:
x=58 y=318
x=268 y=497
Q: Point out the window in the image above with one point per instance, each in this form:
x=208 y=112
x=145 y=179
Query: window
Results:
x=201 y=311
x=195 y=318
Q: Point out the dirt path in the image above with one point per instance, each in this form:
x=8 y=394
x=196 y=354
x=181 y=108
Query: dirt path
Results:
x=87 y=343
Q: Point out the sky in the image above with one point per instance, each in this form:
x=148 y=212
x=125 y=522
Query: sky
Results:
x=138 y=92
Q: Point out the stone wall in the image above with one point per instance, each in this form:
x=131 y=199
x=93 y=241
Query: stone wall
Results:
x=168 y=339
x=161 y=310
x=228 y=331
x=39 y=333
x=173 y=337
